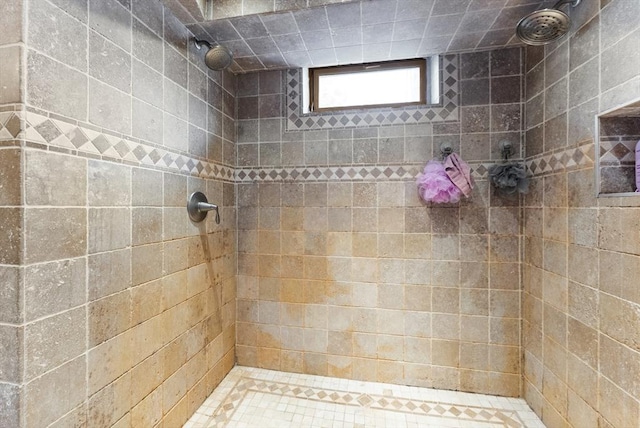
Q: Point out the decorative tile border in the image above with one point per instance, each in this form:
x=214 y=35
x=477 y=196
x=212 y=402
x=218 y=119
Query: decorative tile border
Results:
x=219 y=409
x=448 y=111
x=11 y=125
x=479 y=171
x=84 y=141
x=618 y=150
x=560 y=160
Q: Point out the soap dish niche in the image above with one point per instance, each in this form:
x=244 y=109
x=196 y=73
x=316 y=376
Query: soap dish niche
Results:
x=617 y=132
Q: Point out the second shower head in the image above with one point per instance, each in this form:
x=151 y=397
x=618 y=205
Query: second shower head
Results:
x=217 y=57
x=546 y=25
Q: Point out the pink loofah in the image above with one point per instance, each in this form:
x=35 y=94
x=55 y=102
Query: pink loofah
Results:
x=434 y=185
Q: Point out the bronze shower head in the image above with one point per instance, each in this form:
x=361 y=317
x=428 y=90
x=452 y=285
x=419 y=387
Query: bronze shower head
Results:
x=217 y=57
x=546 y=25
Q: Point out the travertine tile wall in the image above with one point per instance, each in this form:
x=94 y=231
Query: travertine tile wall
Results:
x=357 y=278
x=11 y=329
x=125 y=311
x=582 y=254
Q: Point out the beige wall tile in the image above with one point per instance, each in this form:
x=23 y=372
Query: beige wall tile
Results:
x=176 y=224
x=620 y=364
x=43 y=400
x=554 y=289
x=146 y=225
x=615 y=406
x=146 y=263
x=43 y=296
x=504 y=276
x=582 y=341
x=175 y=255
x=148 y=412
x=11 y=355
x=63 y=228
x=11 y=174
x=583 y=380
x=109 y=404
x=445 y=377
x=109 y=273
x=315 y=363
x=108 y=361
x=52 y=341
x=11 y=294
x=146 y=187
x=555 y=392
x=108 y=229
x=580 y=413
x=47 y=178
x=146 y=301
x=11 y=236
x=618 y=319
x=11 y=70
x=474 y=328
x=109 y=317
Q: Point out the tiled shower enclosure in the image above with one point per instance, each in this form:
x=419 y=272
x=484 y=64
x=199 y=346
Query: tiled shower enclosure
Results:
x=116 y=310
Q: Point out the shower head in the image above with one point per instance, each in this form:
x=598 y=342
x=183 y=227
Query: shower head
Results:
x=546 y=25
x=217 y=57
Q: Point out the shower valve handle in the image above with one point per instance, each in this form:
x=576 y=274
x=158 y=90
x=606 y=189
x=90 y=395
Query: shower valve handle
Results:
x=198 y=207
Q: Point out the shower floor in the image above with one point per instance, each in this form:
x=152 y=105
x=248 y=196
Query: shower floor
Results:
x=251 y=397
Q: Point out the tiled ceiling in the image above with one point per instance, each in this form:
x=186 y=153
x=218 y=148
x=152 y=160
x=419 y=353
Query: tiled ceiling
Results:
x=366 y=31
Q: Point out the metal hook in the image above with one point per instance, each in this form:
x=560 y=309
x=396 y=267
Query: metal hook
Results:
x=505 y=149
x=445 y=150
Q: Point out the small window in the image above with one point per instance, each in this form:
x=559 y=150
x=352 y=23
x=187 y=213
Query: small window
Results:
x=383 y=84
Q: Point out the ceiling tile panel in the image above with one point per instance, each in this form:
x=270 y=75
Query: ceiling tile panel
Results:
x=316 y=33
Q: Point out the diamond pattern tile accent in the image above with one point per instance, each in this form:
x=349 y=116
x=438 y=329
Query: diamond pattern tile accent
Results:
x=122 y=148
x=101 y=143
x=13 y=125
x=251 y=384
x=77 y=137
x=577 y=157
x=367 y=172
x=297 y=120
x=620 y=151
x=48 y=131
x=71 y=136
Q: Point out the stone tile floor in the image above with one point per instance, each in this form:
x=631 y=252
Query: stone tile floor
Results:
x=252 y=397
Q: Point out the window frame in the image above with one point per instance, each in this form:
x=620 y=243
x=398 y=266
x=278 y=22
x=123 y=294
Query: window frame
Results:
x=315 y=73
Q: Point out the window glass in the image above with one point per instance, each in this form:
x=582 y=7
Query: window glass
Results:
x=394 y=83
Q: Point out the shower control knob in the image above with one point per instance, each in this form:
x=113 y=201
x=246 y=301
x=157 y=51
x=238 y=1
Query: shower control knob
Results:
x=198 y=207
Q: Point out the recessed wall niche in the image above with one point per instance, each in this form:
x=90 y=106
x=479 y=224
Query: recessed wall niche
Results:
x=618 y=132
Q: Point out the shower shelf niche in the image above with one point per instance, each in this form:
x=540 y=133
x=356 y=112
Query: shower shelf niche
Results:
x=617 y=132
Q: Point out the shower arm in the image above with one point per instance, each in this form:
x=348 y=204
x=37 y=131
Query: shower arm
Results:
x=200 y=43
x=574 y=3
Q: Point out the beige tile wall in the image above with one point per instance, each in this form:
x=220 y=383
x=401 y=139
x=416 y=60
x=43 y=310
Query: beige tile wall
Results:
x=11 y=329
x=361 y=280
x=580 y=300
x=115 y=309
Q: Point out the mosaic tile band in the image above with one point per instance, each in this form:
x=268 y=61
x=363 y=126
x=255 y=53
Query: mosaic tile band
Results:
x=618 y=150
x=479 y=171
x=86 y=142
x=80 y=140
x=447 y=111
x=242 y=383
x=562 y=160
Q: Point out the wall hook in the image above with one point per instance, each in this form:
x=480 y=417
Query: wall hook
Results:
x=445 y=150
x=198 y=207
x=505 y=149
